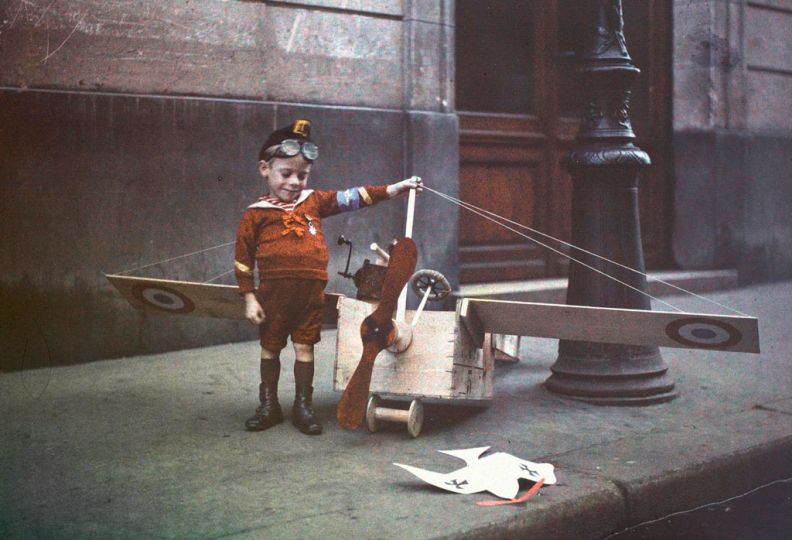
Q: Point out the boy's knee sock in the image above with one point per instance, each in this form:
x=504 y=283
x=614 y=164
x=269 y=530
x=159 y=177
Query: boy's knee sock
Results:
x=270 y=369
x=303 y=374
x=270 y=373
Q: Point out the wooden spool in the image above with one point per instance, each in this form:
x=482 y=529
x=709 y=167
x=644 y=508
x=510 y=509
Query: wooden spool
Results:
x=413 y=417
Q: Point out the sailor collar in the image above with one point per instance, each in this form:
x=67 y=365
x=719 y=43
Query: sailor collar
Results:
x=264 y=204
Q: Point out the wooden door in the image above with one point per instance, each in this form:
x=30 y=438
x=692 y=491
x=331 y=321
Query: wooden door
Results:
x=517 y=105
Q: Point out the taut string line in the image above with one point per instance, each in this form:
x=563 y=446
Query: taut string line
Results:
x=181 y=257
x=493 y=217
x=219 y=276
x=475 y=210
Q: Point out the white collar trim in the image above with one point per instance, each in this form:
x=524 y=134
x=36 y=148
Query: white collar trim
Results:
x=264 y=204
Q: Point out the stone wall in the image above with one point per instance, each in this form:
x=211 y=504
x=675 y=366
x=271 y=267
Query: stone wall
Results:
x=733 y=136
x=373 y=53
x=129 y=134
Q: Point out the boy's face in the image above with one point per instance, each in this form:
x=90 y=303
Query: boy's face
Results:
x=286 y=177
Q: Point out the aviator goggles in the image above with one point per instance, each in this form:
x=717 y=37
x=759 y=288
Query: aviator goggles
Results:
x=292 y=147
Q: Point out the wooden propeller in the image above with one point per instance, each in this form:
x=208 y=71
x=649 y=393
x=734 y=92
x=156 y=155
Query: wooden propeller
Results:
x=377 y=332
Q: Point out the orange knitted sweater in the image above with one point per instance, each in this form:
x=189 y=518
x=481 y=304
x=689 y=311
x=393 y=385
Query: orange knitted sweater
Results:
x=287 y=244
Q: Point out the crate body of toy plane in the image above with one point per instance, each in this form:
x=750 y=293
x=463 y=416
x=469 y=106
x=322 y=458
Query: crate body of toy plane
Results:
x=442 y=361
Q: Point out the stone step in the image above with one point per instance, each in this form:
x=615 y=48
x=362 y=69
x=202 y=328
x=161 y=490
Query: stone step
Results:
x=553 y=291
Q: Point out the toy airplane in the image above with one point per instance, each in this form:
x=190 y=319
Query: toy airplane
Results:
x=445 y=355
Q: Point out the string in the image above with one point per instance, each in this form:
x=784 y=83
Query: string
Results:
x=219 y=276
x=617 y=280
x=472 y=206
x=493 y=217
x=179 y=257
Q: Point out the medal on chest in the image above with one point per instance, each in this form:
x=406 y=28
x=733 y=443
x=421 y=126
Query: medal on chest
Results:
x=311 y=226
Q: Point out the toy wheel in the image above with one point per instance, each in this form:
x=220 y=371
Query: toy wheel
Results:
x=432 y=280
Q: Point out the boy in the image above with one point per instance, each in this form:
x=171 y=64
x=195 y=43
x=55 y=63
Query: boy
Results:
x=282 y=234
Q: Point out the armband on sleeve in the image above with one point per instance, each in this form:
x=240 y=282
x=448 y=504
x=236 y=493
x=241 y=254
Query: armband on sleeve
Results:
x=359 y=197
x=348 y=199
x=336 y=202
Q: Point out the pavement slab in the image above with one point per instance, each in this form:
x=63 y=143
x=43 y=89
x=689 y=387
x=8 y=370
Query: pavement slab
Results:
x=154 y=446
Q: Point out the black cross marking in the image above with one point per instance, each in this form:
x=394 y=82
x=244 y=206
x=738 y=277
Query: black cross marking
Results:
x=456 y=483
x=531 y=472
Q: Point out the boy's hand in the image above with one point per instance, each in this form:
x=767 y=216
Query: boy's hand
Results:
x=253 y=311
x=404 y=186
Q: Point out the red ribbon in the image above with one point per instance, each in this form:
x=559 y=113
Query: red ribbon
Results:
x=528 y=494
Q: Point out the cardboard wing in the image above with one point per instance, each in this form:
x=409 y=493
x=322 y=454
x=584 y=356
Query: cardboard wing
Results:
x=191 y=298
x=611 y=325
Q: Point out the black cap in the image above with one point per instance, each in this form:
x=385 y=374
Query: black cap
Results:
x=300 y=130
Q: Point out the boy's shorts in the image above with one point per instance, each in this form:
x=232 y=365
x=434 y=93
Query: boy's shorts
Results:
x=292 y=307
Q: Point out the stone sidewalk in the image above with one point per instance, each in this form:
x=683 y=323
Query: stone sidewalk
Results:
x=154 y=447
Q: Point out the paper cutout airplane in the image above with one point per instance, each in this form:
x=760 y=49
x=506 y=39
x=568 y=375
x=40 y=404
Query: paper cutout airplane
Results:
x=498 y=473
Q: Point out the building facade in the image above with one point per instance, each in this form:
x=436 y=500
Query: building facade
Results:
x=732 y=136
x=129 y=134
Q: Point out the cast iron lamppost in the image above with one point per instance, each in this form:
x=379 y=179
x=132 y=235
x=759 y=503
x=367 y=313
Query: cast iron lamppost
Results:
x=604 y=165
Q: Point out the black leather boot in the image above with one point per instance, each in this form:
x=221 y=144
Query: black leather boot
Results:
x=269 y=413
x=303 y=416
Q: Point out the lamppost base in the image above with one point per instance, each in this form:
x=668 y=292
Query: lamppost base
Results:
x=604 y=374
x=626 y=401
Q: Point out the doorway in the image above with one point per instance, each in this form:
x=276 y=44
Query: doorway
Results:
x=517 y=106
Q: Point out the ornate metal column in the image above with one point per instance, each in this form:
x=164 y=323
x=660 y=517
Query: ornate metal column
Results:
x=604 y=166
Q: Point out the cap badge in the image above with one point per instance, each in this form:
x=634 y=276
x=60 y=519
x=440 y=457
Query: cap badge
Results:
x=302 y=127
